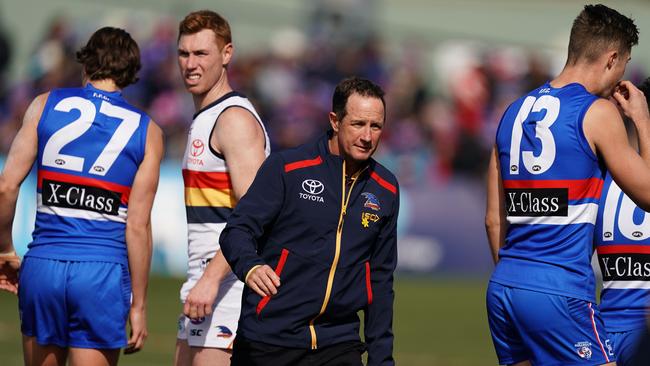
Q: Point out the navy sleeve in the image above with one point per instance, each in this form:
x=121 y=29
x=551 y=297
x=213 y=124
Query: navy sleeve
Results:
x=379 y=314
x=254 y=212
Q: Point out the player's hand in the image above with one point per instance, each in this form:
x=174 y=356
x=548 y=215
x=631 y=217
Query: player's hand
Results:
x=264 y=281
x=199 y=301
x=9 y=267
x=138 y=322
x=632 y=102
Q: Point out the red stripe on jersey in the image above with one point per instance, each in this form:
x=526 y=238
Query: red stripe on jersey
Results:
x=624 y=249
x=578 y=188
x=303 y=164
x=216 y=180
x=92 y=182
x=382 y=182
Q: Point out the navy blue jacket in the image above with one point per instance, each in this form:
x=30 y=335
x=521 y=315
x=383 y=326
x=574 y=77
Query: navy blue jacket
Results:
x=333 y=258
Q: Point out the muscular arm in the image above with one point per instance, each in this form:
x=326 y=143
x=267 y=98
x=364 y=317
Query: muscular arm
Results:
x=606 y=133
x=495 y=217
x=138 y=232
x=238 y=136
x=18 y=164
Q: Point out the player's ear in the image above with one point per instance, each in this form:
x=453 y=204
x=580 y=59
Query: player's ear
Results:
x=334 y=121
x=226 y=53
x=613 y=57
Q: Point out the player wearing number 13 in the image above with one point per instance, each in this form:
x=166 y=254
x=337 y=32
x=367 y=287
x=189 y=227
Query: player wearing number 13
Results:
x=544 y=184
x=98 y=160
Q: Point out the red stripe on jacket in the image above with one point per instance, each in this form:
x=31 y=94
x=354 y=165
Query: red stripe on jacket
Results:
x=303 y=164
x=382 y=182
x=278 y=270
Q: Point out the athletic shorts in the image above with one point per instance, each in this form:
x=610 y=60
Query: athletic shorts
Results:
x=219 y=329
x=74 y=304
x=627 y=345
x=546 y=329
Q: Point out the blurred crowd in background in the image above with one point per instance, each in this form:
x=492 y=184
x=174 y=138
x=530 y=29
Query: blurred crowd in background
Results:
x=439 y=125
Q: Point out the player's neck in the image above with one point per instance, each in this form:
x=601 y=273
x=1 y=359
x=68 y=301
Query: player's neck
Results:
x=585 y=75
x=220 y=88
x=107 y=85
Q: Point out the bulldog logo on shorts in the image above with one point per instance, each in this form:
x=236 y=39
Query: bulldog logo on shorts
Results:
x=583 y=349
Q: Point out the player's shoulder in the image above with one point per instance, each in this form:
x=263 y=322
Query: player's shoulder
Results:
x=602 y=111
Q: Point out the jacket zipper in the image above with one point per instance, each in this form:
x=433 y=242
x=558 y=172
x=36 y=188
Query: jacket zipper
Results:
x=345 y=199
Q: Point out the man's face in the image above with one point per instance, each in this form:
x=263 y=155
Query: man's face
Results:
x=200 y=60
x=359 y=131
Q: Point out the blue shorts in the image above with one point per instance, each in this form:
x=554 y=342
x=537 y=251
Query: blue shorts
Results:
x=74 y=304
x=545 y=329
x=627 y=344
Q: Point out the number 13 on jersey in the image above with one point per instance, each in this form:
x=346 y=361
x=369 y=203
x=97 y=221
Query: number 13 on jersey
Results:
x=530 y=108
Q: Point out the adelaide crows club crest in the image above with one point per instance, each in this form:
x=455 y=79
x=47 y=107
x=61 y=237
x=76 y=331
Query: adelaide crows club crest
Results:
x=371 y=201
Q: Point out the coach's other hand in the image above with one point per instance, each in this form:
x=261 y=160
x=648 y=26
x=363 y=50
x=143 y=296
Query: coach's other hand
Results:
x=263 y=280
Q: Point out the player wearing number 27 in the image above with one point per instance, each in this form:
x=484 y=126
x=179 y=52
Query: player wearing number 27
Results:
x=98 y=160
x=544 y=185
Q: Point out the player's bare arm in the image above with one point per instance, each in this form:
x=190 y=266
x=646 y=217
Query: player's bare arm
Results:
x=604 y=129
x=138 y=233
x=495 y=217
x=239 y=137
x=21 y=158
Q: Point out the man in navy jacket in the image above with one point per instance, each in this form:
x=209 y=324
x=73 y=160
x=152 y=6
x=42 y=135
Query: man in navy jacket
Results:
x=314 y=239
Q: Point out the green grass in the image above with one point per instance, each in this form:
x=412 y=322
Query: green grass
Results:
x=437 y=322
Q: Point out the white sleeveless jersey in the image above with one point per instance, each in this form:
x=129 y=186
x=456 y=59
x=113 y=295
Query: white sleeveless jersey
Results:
x=209 y=197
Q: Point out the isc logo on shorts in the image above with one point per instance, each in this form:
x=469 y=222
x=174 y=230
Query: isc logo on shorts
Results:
x=196 y=332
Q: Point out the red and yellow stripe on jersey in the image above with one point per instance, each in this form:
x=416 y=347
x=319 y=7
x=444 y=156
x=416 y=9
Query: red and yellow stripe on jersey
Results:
x=209 y=197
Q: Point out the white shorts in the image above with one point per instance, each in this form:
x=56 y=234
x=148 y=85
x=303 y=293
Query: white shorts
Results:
x=219 y=329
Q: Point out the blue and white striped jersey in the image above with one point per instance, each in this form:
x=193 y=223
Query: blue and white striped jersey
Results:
x=623 y=245
x=90 y=145
x=552 y=183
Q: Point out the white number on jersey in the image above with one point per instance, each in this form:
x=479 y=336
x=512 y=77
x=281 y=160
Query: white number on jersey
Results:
x=52 y=152
x=535 y=164
x=626 y=209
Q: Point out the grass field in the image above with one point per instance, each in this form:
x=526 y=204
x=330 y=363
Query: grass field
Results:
x=437 y=322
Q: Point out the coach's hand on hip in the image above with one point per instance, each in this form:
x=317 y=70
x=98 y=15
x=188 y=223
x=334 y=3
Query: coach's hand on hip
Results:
x=263 y=280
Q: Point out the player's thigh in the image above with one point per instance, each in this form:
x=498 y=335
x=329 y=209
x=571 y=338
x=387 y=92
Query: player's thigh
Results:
x=37 y=355
x=203 y=356
x=94 y=357
x=182 y=356
x=507 y=341
x=98 y=298
x=561 y=330
x=41 y=300
x=626 y=345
